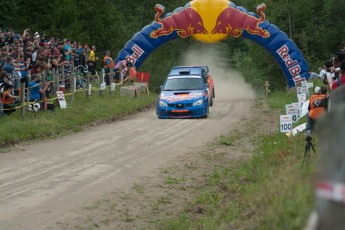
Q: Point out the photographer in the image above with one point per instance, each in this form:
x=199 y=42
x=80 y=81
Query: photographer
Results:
x=317 y=105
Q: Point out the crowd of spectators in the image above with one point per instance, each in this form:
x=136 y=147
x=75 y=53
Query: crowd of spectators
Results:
x=333 y=76
x=37 y=53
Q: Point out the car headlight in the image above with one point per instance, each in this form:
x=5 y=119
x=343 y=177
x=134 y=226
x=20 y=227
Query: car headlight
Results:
x=198 y=102
x=163 y=104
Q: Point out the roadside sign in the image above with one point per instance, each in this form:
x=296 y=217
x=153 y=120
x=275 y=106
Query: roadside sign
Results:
x=291 y=110
x=285 y=123
x=61 y=98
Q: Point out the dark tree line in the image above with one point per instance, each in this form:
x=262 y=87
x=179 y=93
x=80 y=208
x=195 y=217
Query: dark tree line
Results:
x=317 y=27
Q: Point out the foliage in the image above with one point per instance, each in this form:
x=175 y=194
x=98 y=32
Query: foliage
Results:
x=317 y=28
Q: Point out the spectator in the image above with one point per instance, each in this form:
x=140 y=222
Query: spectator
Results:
x=8 y=66
x=68 y=50
x=87 y=51
x=316 y=107
x=327 y=78
x=122 y=68
x=5 y=78
x=341 y=79
x=21 y=68
x=7 y=99
x=35 y=88
x=108 y=64
x=57 y=61
x=34 y=56
x=132 y=74
x=78 y=55
x=92 y=56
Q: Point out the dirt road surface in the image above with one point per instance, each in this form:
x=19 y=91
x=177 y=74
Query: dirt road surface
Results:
x=43 y=183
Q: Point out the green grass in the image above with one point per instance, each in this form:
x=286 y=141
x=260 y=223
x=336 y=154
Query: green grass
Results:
x=76 y=117
x=272 y=190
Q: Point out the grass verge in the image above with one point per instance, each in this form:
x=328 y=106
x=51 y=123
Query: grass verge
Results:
x=79 y=114
x=271 y=190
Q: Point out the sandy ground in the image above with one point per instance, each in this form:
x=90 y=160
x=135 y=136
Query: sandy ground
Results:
x=43 y=184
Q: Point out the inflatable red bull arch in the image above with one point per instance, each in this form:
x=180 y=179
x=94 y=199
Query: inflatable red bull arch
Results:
x=211 y=21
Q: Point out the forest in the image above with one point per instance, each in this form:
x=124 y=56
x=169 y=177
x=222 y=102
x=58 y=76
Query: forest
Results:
x=317 y=27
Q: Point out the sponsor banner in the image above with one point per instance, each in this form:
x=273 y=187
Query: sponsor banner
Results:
x=310 y=85
x=112 y=86
x=291 y=110
x=285 y=123
x=61 y=98
x=297 y=130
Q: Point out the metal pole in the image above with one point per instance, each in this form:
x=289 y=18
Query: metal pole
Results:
x=44 y=74
x=28 y=76
x=63 y=82
x=22 y=99
x=72 y=78
x=101 y=83
x=112 y=81
x=88 y=90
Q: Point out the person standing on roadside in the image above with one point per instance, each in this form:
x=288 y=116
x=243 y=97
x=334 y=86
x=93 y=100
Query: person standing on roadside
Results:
x=132 y=74
x=108 y=64
x=92 y=60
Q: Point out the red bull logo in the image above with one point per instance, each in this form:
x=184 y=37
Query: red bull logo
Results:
x=225 y=21
x=192 y=24
x=233 y=21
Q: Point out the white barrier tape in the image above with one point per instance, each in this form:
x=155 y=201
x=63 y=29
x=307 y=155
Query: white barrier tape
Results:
x=331 y=191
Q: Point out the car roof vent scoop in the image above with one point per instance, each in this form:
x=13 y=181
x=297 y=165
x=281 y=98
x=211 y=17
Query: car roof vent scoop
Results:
x=184 y=72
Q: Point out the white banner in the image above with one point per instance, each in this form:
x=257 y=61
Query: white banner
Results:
x=61 y=98
x=112 y=86
x=310 y=85
x=297 y=130
x=103 y=86
x=89 y=89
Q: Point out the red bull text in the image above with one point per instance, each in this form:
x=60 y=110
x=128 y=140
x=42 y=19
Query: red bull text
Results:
x=137 y=52
x=292 y=65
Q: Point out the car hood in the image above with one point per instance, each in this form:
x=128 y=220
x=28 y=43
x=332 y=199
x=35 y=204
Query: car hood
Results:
x=178 y=96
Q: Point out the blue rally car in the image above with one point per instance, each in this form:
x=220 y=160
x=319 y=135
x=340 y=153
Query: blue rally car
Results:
x=188 y=92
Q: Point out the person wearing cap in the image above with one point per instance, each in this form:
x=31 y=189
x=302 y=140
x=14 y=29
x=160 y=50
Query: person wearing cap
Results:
x=316 y=108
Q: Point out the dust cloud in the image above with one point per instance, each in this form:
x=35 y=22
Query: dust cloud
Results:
x=229 y=84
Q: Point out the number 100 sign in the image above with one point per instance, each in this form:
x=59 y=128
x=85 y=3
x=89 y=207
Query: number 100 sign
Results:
x=285 y=123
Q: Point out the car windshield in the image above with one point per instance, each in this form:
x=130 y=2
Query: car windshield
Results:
x=183 y=84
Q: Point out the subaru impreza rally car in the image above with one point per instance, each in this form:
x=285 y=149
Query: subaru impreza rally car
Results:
x=187 y=92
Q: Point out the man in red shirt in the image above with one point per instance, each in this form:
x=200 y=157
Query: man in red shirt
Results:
x=341 y=79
